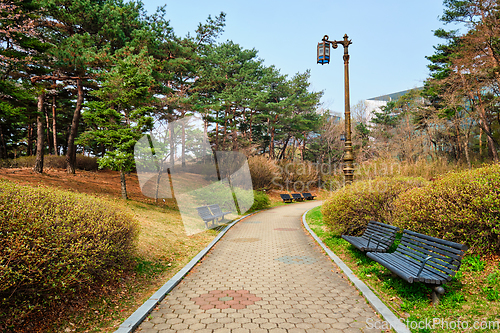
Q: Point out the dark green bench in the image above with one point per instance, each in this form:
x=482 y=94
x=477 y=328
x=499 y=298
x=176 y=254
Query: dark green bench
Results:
x=378 y=237
x=215 y=209
x=286 y=197
x=308 y=196
x=422 y=258
x=297 y=197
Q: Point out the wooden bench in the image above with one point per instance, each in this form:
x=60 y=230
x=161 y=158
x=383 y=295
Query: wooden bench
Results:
x=286 y=197
x=378 y=237
x=308 y=196
x=206 y=215
x=422 y=258
x=297 y=197
x=215 y=209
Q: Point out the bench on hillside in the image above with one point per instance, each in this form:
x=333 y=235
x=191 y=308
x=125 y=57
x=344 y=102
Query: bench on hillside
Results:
x=286 y=197
x=211 y=213
x=215 y=209
x=308 y=196
x=378 y=237
x=297 y=197
x=422 y=258
x=206 y=215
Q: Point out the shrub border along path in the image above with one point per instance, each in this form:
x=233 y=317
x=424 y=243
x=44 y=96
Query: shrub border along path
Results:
x=136 y=318
x=379 y=306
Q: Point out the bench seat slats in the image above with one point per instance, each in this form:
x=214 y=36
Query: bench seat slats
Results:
x=377 y=237
x=412 y=263
x=430 y=263
x=413 y=251
x=437 y=258
x=407 y=269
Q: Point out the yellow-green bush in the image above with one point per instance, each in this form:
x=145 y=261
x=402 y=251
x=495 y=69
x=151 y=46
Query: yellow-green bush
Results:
x=463 y=207
x=55 y=243
x=349 y=209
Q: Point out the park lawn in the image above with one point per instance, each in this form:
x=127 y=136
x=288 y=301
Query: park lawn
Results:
x=471 y=297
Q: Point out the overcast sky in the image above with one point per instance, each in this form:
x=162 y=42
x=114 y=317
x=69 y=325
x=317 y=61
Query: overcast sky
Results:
x=390 y=39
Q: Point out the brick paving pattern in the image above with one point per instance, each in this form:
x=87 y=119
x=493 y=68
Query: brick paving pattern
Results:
x=267 y=277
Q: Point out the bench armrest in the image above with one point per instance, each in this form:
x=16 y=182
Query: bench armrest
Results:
x=380 y=240
x=423 y=265
x=369 y=239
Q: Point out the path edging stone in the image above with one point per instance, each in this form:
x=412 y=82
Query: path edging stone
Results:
x=379 y=306
x=136 y=318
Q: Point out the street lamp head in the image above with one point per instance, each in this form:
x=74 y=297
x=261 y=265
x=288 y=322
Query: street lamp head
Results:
x=323 y=52
x=342 y=136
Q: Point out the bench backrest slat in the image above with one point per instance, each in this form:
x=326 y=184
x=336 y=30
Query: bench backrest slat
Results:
x=446 y=256
x=450 y=244
x=204 y=212
x=380 y=231
x=385 y=226
x=297 y=196
x=435 y=248
x=416 y=266
x=448 y=268
x=215 y=209
x=285 y=196
x=447 y=250
x=425 y=251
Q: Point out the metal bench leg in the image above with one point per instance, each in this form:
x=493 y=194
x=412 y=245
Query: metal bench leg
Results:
x=436 y=294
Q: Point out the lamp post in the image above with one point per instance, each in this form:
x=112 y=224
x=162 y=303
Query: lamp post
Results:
x=324 y=58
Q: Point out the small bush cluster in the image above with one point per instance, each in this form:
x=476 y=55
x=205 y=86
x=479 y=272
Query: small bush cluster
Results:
x=51 y=161
x=463 y=207
x=297 y=176
x=261 y=201
x=349 y=209
x=263 y=172
x=55 y=243
x=283 y=175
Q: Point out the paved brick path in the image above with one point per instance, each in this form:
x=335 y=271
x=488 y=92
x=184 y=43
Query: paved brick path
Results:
x=265 y=275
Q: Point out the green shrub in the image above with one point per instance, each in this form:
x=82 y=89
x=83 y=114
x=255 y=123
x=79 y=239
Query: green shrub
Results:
x=55 y=243
x=463 y=207
x=261 y=201
x=349 y=209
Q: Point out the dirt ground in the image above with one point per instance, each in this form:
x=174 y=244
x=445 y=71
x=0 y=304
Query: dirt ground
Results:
x=102 y=182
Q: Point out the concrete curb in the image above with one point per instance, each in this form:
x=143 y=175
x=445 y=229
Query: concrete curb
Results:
x=379 y=306
x=136 y=318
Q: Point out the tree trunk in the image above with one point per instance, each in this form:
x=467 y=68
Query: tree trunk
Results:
x=30 y=138
x=47 y=124
x=123 y=185
x=54 y=132
x=3 y=147
x=71 y=153
x=183 y=141
x=487 y=130
x=172 y=145
x=38 y=168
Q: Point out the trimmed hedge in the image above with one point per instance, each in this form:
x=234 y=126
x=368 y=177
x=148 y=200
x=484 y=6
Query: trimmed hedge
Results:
x=55 y=243
x=349 y=209
x=463 y=207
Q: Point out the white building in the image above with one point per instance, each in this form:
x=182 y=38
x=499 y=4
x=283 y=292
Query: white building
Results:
x=375 y=103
